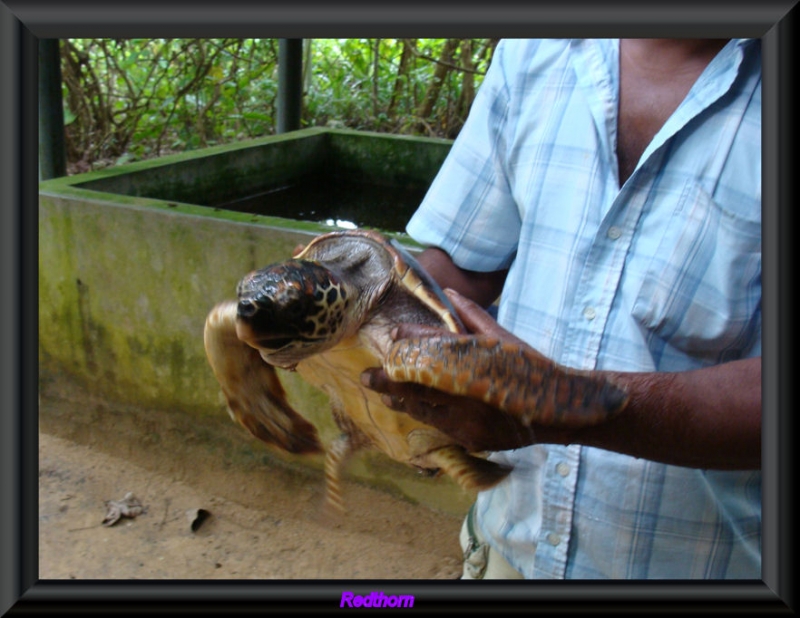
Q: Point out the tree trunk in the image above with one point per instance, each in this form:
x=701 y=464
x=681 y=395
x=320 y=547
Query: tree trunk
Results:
x=443 y=66
x=402 y=78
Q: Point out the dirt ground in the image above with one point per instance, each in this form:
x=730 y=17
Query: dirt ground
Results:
x=274 y=531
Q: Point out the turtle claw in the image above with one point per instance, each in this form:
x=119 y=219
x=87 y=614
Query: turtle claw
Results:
x=507 y=376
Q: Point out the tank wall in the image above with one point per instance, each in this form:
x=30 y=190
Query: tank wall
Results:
x=210 y=176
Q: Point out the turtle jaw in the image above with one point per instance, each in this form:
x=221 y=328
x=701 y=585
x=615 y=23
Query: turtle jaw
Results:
x=258 y=327
x=283 y=350
x=285 y=337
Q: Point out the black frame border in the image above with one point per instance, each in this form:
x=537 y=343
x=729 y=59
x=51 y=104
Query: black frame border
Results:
x=23 y=22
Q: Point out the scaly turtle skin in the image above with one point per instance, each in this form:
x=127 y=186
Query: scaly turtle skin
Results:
x=328 y=314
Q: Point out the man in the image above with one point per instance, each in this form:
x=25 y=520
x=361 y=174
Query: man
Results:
x=610 y=193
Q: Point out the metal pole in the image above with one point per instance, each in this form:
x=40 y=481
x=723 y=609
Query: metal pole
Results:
x=290 y=84
x=52 y=156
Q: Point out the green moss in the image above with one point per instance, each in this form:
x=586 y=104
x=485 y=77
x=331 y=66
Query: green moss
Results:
x=388 y=160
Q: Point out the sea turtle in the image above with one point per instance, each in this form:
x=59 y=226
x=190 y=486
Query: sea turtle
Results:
x=328 y=313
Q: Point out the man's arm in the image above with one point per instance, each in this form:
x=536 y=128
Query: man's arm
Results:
x=483 y=288
x=706 y=418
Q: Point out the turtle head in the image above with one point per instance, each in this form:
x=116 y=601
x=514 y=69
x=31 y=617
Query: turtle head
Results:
x=292 y=310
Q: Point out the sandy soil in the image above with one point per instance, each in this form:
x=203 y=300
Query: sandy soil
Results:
x=276 y=533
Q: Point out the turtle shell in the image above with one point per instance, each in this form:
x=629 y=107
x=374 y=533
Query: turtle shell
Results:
x=328 y=313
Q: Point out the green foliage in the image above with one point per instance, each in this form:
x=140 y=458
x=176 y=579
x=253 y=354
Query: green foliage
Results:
x=142 y=97
x=129 y=99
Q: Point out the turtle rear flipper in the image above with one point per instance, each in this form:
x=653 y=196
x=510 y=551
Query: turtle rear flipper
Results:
x=336 y=458
x=255 y=396
x=472 y=473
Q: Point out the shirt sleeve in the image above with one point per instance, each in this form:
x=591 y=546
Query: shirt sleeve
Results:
x=469 y=210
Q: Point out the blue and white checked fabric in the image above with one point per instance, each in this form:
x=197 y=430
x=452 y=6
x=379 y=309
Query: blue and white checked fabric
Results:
x=661 y=274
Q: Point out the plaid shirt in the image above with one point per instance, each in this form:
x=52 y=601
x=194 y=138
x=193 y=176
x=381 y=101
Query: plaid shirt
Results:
x=662 y=274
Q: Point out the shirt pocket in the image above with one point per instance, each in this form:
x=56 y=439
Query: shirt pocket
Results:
x=701 y=293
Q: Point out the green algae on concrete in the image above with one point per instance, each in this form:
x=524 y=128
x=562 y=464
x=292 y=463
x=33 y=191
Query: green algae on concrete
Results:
x=393 y=161
x=124 y=293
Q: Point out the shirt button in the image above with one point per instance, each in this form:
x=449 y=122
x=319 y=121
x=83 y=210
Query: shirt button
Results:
x=553 y=538
x=589 y=313
x=562 y=469
x=614 y=232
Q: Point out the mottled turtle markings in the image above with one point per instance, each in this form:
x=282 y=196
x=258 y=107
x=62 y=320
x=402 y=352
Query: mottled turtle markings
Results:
x=328 y=314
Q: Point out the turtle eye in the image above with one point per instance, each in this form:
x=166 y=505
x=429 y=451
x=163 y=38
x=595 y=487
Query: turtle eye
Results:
x=247 y=308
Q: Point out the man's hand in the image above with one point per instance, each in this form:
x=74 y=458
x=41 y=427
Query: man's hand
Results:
x=485 y=417
x=475 y=425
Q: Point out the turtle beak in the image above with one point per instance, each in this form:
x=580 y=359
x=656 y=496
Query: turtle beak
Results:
x=259 y=331
x=270 y=360
x=246 y=311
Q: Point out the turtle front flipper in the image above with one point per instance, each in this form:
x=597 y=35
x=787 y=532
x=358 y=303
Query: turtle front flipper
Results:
x=507 y=376
x=255 y=396
x=470 y=472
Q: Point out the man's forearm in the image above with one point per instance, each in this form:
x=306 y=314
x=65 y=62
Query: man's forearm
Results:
x=707 y=418
x=483 y=288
